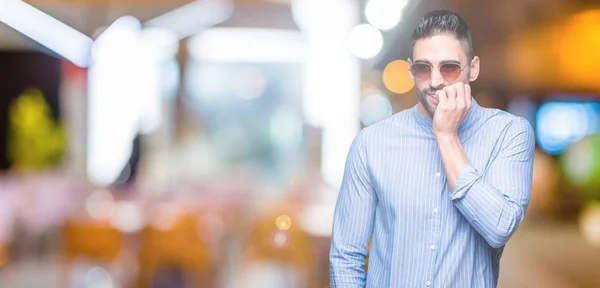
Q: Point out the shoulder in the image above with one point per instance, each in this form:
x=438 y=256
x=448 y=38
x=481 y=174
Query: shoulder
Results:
x=371 y=138
x=386 y=128
x=511 y=128
x=503 y=120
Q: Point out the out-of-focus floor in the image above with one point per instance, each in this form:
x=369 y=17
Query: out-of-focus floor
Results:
x=539 y=255
x=551 y=256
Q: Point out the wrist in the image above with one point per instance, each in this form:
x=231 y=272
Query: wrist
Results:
x=445 y=136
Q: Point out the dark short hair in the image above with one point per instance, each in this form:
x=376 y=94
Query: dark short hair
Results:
x=441 y=22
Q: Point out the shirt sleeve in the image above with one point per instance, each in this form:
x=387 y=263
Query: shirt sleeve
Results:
x=353 y=221
x=494 y=202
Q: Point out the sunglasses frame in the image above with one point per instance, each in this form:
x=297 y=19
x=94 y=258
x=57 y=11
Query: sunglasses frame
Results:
x=436 y=67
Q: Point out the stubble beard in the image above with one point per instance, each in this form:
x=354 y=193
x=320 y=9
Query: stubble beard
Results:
x=424 y=101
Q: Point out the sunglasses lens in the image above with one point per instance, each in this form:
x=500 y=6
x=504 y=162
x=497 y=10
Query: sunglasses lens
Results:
x=450 y=71
x=420 y=71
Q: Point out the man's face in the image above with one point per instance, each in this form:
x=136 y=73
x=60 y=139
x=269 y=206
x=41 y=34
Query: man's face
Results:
x=436 y=51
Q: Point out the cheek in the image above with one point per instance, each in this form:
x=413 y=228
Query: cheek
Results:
x=421 y=85
x=465 y=77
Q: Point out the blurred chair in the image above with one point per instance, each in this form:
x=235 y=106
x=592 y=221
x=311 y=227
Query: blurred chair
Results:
x=90 y=240
x=176 y=247
x=281 y=256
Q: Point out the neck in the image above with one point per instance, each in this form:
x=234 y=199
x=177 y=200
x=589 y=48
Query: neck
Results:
x=423 y=111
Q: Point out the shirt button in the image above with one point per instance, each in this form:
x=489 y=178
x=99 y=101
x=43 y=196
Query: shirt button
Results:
x=432 y=247
x=427 y=283
x=435 y=210
x=437 y=174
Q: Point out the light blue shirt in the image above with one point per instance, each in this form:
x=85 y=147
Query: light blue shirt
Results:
x=395 y=190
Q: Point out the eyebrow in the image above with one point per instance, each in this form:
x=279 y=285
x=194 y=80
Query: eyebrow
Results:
x=441 y=62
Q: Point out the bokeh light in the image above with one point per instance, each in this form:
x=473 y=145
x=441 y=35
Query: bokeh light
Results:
x=374 y=108
x=577 y=162
x=581 y=164
x=384 y=14
x=590 y=224
x=365 y=41
x=577 y=46
x=280 y=239
x=165 y=216
x=396 y=77
x=100 y=205
x=283 y=222
x=97 y=277
x=560 y=124
x=128 y=217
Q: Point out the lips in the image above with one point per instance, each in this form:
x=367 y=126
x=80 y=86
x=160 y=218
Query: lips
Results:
x=432 y=99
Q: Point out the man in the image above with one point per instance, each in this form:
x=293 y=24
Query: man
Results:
x=440 y=187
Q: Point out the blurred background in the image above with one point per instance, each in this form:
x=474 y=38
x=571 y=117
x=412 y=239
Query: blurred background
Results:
x=178 y=143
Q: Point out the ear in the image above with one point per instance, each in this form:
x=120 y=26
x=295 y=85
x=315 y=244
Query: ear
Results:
x=412 y=78
x=474 y=69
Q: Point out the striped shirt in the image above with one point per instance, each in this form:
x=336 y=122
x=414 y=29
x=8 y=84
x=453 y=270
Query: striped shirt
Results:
x=395 y=192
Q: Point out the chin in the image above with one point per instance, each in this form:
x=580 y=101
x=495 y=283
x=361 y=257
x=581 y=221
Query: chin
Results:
x=432 y=110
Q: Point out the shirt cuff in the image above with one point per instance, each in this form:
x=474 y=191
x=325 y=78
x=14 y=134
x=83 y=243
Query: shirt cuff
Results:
x=468 y=177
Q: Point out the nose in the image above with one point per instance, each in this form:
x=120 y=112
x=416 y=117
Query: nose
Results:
x=436 y=78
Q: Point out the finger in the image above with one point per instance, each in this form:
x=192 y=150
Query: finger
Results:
x=442 y=98
x=460 y=95
x=451 y=91
x=468 y=96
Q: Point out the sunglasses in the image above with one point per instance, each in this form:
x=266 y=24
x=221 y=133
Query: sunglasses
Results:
x=449 y=71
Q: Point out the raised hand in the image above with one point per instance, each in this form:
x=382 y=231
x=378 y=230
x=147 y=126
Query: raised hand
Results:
x=453 y=107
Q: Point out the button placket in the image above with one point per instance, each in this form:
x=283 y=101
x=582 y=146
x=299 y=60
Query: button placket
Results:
x=436 y=221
